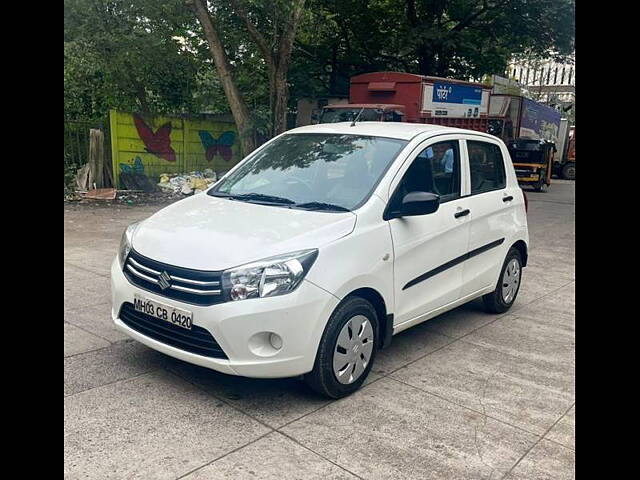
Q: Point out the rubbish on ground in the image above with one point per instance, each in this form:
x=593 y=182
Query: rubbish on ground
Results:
x=101 y=194
x=137 y=181
x=188 y=183
x=82 y=177
x=199 y=184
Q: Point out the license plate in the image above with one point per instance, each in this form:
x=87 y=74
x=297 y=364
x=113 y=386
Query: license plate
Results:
x=162 y=311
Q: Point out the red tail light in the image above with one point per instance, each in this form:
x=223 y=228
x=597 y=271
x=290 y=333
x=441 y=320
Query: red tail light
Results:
x=526 y=202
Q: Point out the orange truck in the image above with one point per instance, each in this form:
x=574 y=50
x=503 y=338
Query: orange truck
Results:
x=405 y=97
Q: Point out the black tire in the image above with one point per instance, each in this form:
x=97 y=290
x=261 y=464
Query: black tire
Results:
x=540 y=183
x=322 y=378
x=494 y=301
x=569 y=171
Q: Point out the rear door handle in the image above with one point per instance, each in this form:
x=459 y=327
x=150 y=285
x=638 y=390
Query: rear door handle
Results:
x=507 y=199
x=462 y=213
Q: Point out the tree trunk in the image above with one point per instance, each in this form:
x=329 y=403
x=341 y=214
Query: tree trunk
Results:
x=96 y=156
x=426 y=61
x=281 y=100
x=277 y=58
x=239 y=108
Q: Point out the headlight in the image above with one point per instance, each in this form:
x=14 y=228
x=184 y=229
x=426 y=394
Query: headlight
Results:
x=125 y=243
x=268 y=278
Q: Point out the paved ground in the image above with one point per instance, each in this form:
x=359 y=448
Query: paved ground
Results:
x=466 y=395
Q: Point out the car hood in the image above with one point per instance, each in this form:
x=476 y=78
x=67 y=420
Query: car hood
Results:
x=211 y=233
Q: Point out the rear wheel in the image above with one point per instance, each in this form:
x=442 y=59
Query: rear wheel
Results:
x=347 y=349
x=569 y=171
x=508 y=286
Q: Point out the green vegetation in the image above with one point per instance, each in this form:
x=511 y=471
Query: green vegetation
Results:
x=256 y=58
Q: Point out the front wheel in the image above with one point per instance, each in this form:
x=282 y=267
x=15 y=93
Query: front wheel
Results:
x=347 y=349
x=539 y=185
x=508 y=286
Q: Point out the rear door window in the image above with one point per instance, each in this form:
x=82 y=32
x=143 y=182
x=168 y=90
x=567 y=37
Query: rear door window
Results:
x=486 y=166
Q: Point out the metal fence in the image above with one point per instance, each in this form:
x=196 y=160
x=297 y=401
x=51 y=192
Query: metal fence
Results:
x=76 y=142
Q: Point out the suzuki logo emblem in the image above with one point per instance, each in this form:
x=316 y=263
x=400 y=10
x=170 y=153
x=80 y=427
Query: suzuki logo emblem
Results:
x=163 y=280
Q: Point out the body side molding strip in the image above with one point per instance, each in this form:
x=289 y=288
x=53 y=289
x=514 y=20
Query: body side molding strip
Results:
x=453 y=263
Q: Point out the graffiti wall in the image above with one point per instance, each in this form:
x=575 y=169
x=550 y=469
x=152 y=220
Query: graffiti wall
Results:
x=153 y=146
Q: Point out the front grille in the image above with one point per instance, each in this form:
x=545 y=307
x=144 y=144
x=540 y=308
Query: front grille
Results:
x=197 y=287
x=197 y=340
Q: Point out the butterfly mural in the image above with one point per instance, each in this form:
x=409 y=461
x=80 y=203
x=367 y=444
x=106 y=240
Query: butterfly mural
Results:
x=158 y=143
x=137 y=167
x=221 y=145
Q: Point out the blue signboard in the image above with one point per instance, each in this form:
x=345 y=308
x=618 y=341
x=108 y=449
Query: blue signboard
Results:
x=539 y=121
x=452 y=93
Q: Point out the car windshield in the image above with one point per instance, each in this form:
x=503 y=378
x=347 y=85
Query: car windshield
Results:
x=312 y=171
x=335 y=115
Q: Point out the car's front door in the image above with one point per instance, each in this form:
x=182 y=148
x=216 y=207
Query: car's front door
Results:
x=428 y=248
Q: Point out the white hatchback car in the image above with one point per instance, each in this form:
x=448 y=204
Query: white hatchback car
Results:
x=321 y=245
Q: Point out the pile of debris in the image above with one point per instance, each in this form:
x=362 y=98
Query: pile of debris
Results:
x=187 y=184
x=140 y=188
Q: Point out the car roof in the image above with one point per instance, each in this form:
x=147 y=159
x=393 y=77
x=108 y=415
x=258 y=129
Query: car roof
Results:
x=385 y=106
x=399 y=130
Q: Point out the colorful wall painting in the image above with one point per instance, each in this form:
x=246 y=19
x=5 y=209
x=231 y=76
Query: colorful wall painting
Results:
x=153 y=146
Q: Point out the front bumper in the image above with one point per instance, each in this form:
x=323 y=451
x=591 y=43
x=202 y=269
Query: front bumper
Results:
x=241 y=328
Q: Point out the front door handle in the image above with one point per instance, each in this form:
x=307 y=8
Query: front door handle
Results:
x=507 y=199
x=462 y=213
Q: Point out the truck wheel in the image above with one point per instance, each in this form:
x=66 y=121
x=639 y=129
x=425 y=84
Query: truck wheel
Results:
x=569 y=171
x=347 y=349
x=508 y=286
x=540 y=183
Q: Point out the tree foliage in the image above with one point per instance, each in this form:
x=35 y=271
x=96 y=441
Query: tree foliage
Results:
x=153 y=55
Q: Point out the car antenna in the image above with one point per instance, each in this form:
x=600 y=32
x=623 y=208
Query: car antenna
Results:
x=353 y=124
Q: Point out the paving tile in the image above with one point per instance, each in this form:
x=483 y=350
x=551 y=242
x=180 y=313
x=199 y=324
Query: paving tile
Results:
x=96 y=258
x=96 y=290
x=506 y=387
x=273 y=457
x=118 y=361
x=545 y=344
x=78 y=274
x=272 y=401
x=154 y=426
x=556 y=308
x=462 y=320
x=77 y=341
x=95 y=319
x=390 y=430
x=407 y=346
x=546 y=461
x=535 y=285
x=564 y=432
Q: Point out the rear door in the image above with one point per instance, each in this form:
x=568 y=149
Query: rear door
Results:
x=428 y=248
x=493 y=199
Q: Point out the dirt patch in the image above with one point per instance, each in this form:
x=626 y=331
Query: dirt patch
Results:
x=125 y=199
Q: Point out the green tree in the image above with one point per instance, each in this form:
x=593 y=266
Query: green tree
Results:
x=127 y=54
x=449 y=38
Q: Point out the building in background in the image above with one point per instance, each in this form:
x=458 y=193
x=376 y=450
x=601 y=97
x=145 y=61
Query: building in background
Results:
x=548 y=82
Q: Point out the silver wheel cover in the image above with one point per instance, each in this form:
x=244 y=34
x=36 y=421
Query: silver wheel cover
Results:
x=511 y=280
x=353 y=349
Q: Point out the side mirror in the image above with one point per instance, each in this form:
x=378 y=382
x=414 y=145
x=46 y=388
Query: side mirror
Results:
x=419 y=203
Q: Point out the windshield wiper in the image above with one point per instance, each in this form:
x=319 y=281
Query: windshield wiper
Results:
x=321 y=206
x=214 y=193
x=260 y=197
